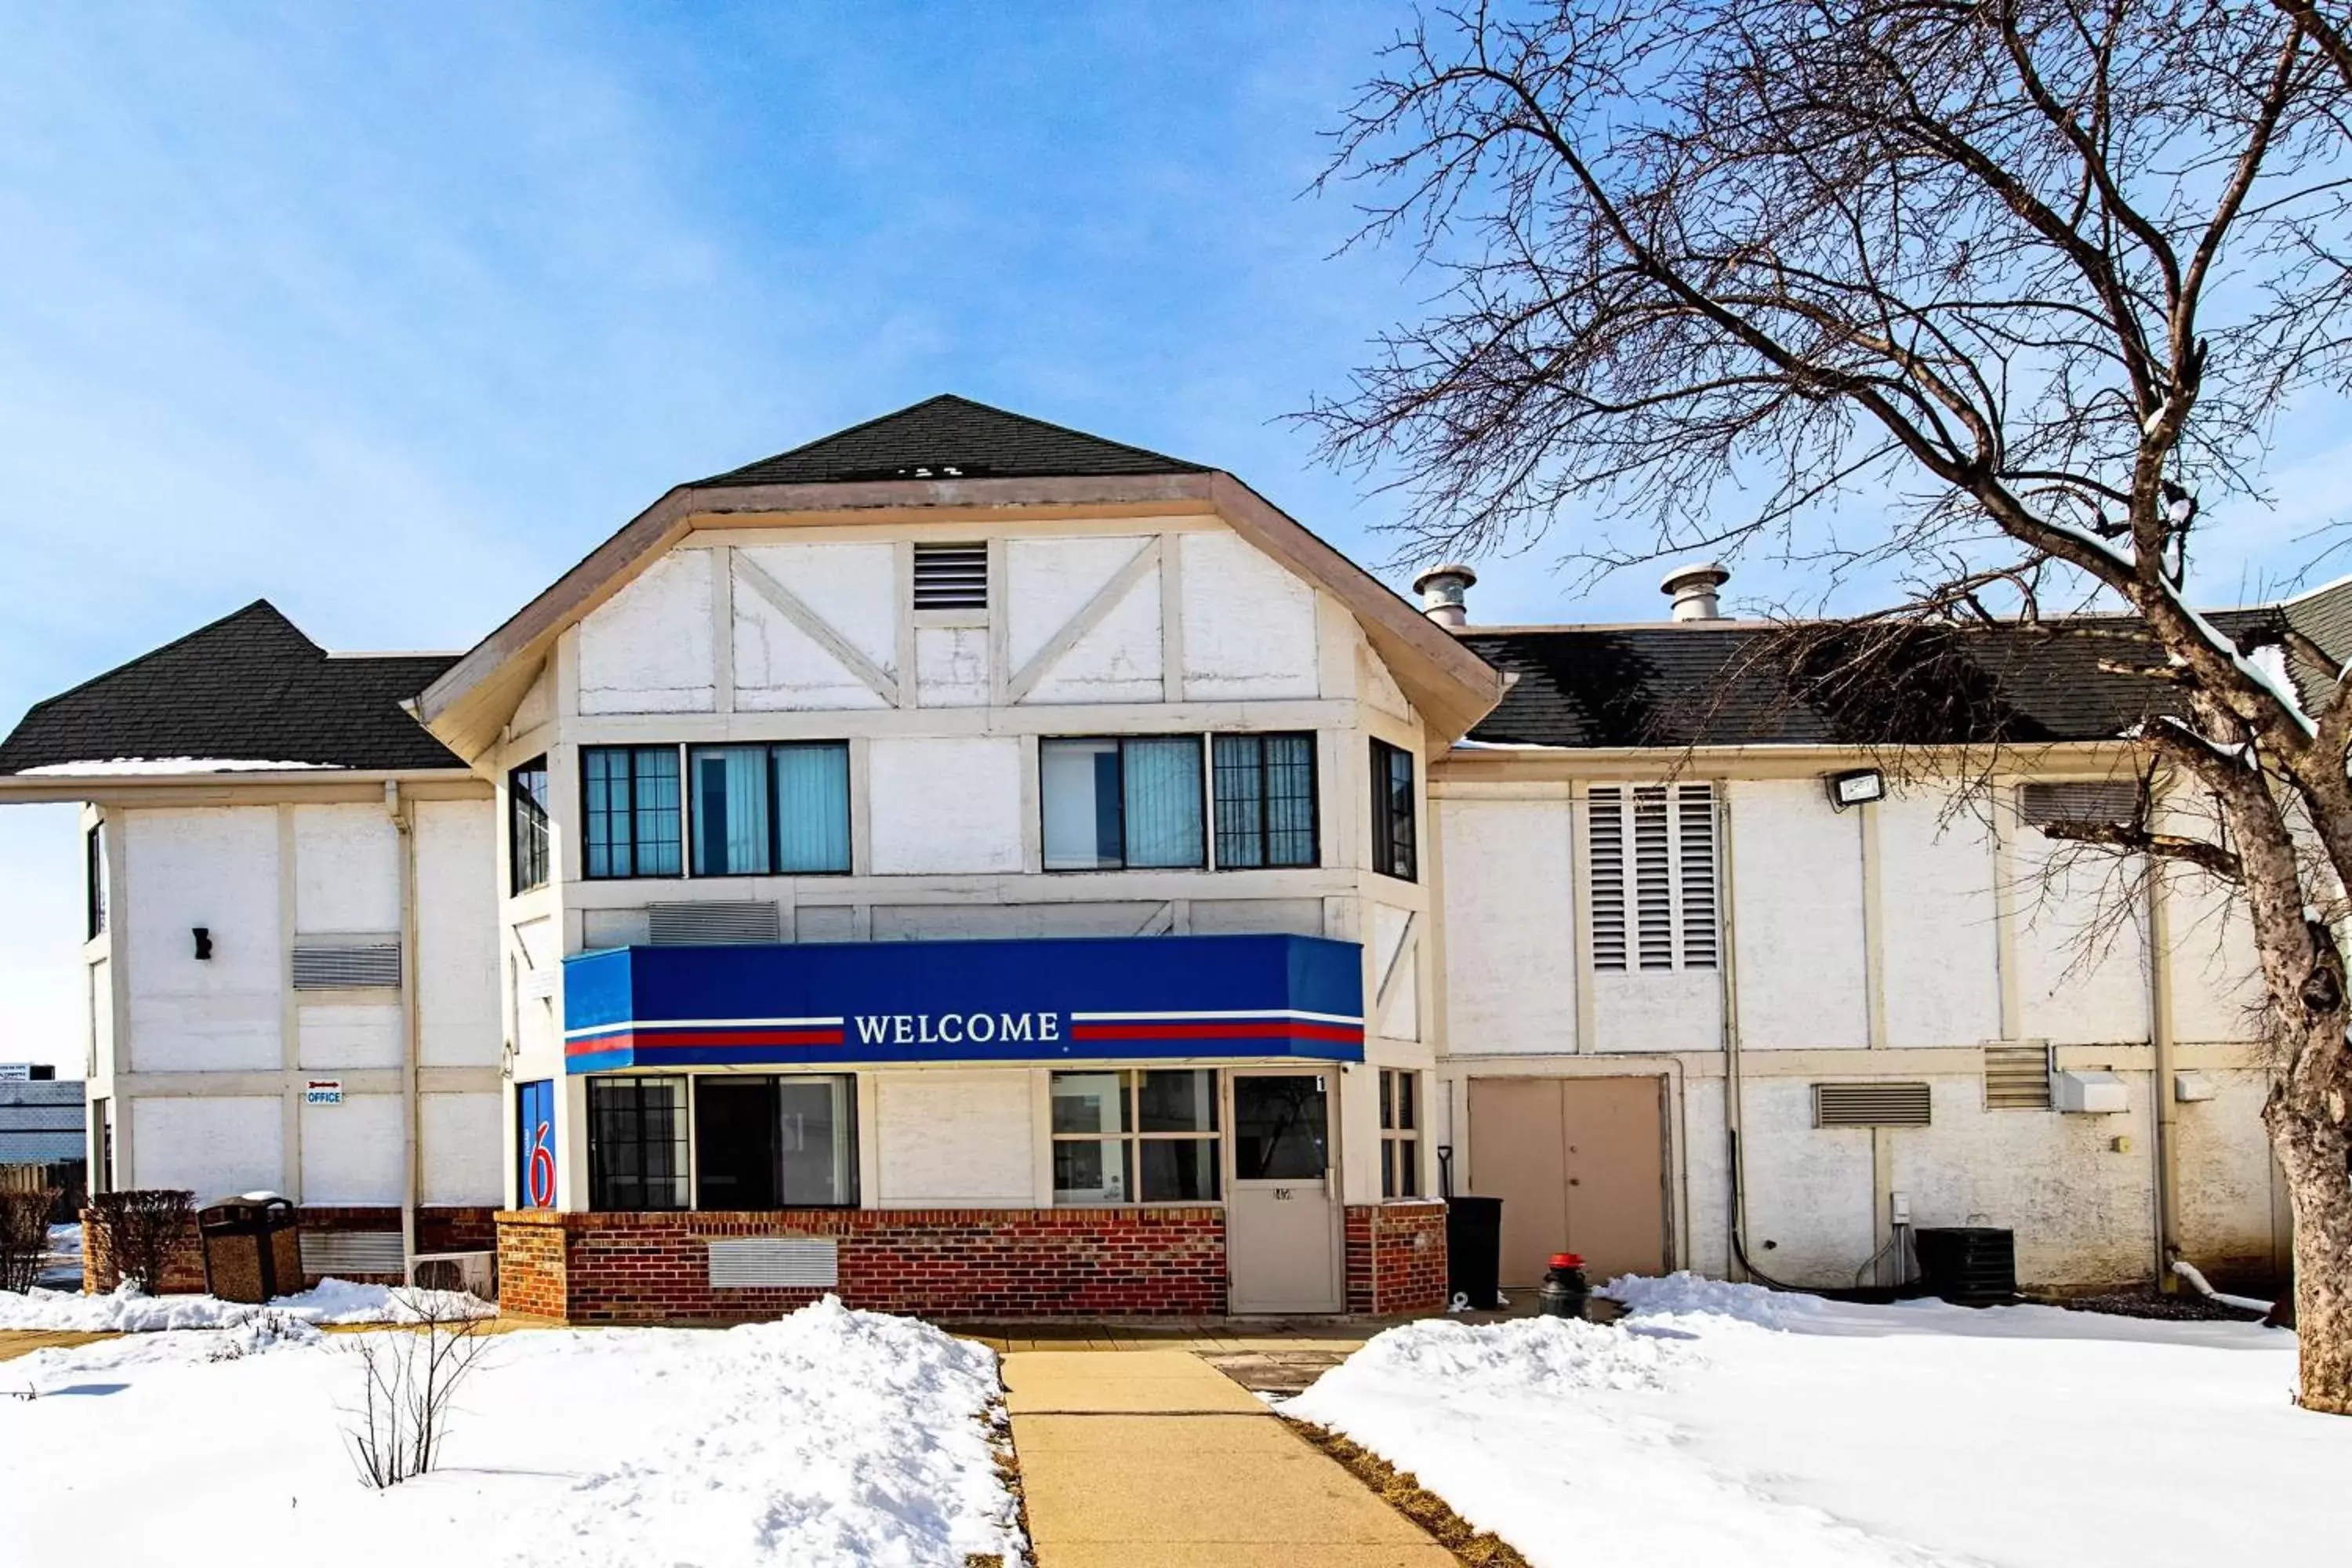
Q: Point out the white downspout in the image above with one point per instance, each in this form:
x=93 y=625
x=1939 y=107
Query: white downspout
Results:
x=404 y=820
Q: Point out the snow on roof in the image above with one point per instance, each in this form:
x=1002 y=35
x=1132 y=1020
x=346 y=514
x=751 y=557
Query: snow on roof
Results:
x=122 y=767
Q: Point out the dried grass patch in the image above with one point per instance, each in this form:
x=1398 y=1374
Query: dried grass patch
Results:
x=1402 y=1491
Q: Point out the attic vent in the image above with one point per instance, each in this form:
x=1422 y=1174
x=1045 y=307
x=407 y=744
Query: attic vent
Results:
x=348 y=1252
x=713 y=922
x=2017 y=1077
x=357 y=966
x=1870 y=1105
x=1673 y=873
x=2115 y=801
x=752 y=1261
x=951 y=576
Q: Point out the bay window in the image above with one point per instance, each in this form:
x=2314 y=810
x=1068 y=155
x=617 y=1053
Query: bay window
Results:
x=527 y=827
x=1125 y=1137
x=1395 y=833
x=1265 y=800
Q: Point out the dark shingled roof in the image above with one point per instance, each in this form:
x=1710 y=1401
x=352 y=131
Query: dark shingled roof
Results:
x=250 y=687
x=1751 y=684
x=948 y=437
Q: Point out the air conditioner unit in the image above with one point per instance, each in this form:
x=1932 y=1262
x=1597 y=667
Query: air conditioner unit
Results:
x=2089 y=1091
x=476 y=1273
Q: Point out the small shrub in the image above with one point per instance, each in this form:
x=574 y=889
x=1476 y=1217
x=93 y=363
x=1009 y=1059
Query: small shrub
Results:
x=409 y=1378
x=24 y=1237
x=140 y=1229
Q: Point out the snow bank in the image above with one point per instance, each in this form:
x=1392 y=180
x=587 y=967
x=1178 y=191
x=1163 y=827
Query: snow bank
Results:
x=826 y=1439
x=127 y=1309
x=1683 y=1292
x=1725 y=1424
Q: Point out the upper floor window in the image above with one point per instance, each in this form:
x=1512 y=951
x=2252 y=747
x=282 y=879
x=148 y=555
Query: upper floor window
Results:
x=1265 y=800
x=762 y=809
x=630 y=815
x=951 y=576
x=93 y=863
x=527 y=827
x=1132 y=803
x=1396 y=837
x=1659 y=912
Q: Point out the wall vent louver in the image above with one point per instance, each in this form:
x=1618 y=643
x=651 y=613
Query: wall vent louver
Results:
x=323 y=966
x=2114 y=801
x=342 y=1253
x=1870 y=1105
x=1606 y=851
x=1653 y=898
x=2017 y=1077
x=951 y=576
x=1696 y=804
x=713 y=922
x=752 y=1262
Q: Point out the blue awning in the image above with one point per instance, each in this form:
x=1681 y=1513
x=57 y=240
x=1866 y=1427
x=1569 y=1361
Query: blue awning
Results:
x=1049 y=1000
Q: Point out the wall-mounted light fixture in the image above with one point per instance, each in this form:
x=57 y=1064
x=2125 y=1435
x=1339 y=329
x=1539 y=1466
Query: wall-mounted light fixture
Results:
x=1859 y=787
x=204 y=935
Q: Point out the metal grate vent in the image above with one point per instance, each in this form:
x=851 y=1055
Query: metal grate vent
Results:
x=951 y=576
x=346 y=1252
x=1870 y=1105
x=714 y=922
x=748 y=1263
x=358 y=965
x=1695 y=807
x=2114 y=801
x=1607 y=854
x=476 y=1273
x=2017 y=1077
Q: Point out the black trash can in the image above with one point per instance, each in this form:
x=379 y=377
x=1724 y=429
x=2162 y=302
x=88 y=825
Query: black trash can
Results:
x=1968 y=1264
x=252 y=1247
x=1473 y=1250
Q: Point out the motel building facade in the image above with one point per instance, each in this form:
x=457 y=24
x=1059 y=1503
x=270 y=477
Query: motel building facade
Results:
x=989 y=870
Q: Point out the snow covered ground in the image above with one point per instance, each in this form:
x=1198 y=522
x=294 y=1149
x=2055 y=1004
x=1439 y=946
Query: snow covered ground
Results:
x=129 y=1311
x=1722 y=1425
x=828 y=1437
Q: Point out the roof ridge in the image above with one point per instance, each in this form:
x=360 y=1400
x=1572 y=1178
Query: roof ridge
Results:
x=262 y=605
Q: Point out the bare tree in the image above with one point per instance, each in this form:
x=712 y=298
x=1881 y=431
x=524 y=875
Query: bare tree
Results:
x=1999 y=297
x=409 y=1379
x=140 y=1229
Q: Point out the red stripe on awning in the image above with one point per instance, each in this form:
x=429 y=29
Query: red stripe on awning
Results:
x=655 y=1038
x=1251 y=1029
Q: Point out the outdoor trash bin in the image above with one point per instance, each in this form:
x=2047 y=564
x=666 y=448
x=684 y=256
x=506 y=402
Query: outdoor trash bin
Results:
x=252 y=1247
x=1474 y=1248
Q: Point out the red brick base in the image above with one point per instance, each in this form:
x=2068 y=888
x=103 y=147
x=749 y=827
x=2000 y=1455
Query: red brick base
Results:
x=968 y=1263
x=438 y=1230
x=1396 y=1257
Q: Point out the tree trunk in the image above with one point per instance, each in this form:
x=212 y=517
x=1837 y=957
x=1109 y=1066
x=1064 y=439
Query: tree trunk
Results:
x=2313 y=1148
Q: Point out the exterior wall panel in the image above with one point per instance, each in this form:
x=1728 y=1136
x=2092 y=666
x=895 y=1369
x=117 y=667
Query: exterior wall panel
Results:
x=1797 y=883
x=956 y=1139
x=217 y=868
x=1509 y=926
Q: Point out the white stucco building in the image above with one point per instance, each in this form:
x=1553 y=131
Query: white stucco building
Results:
x=986 y=869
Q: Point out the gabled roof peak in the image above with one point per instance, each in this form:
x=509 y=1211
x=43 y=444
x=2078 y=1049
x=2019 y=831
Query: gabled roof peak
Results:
x=951 y=437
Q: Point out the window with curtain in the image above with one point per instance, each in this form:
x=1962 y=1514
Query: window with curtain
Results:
x=527 y=827
x=636 y=1143
x=781 y=808
x=631 y=817
x=1133 y=803
x=1395 y=834
x=1265 y=800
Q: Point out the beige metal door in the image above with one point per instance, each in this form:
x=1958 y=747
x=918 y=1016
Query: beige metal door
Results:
x=1282 y=1223
x=1580 y=1164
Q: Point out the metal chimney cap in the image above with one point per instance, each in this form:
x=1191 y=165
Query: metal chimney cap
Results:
x=1708 y=574
x=1448 y=569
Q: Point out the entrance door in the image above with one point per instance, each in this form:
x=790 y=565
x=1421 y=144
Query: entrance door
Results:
x=1580 y=1164
x=1282 y=1226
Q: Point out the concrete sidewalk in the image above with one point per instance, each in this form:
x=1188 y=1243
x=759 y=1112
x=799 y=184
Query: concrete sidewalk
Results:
x=1151 y=1458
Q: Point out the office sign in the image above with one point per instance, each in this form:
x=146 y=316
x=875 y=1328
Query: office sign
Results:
x=1055 y=1000
x=323 y=1091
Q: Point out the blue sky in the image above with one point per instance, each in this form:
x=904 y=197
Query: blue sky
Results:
x=389 y=314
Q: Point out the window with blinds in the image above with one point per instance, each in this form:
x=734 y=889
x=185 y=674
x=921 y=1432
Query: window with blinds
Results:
x=1650 y=857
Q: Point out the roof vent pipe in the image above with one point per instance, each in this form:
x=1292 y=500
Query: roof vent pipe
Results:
x=1694 y=589
x=1442 y=589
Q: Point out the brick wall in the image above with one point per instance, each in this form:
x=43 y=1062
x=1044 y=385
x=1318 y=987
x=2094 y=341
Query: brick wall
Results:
x=972 y=1263
x=438 y=1230
x=1396 y=1257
